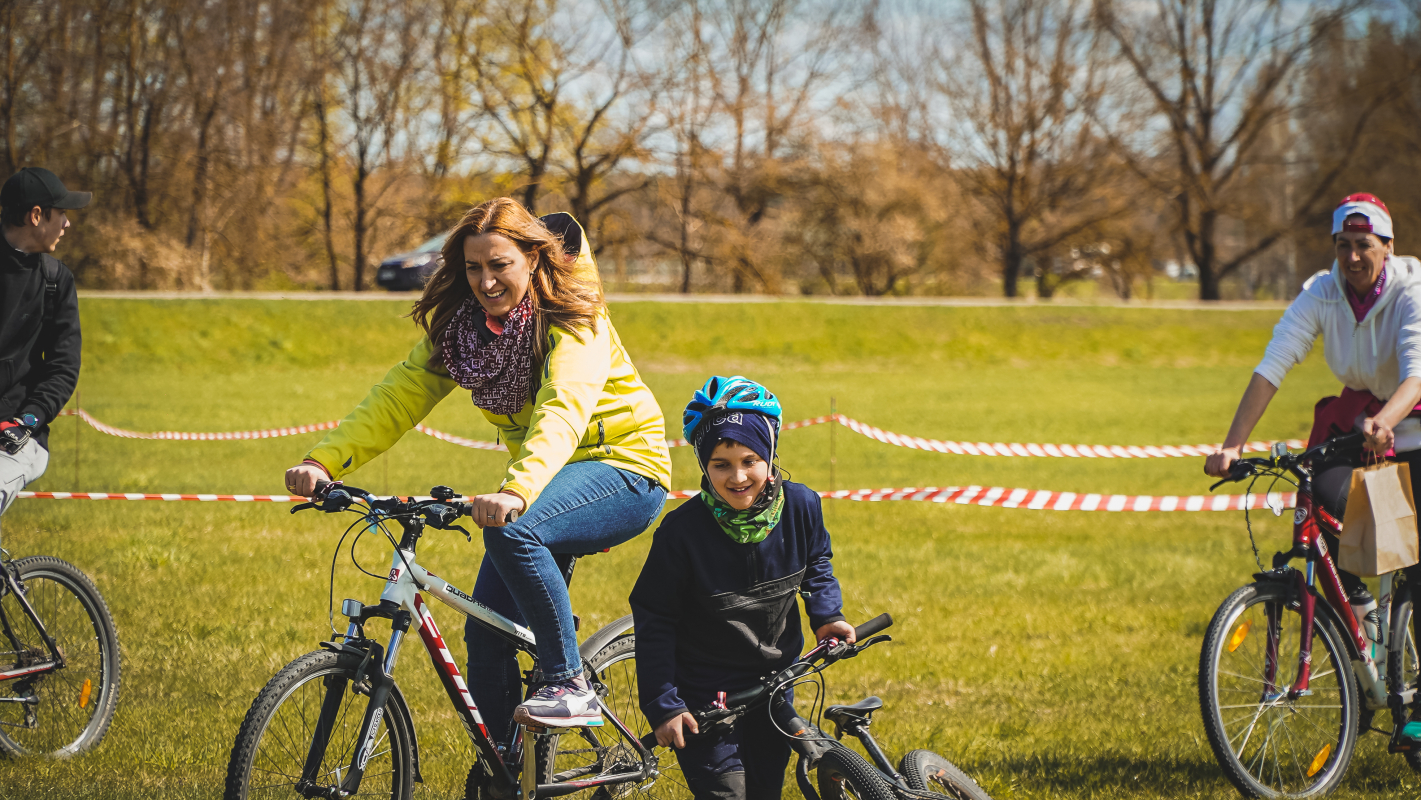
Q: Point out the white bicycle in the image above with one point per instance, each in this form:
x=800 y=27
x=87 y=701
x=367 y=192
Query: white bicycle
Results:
x=334 y=724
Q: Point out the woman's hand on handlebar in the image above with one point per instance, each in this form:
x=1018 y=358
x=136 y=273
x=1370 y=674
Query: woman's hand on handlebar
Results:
x=495 y=510
x=840 y=630
x=301 y=479
x=1380 y=437
x=671 y=733
x=1218 y=464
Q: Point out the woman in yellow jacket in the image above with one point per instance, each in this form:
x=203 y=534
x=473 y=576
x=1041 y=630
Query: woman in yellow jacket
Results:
x=515 y=314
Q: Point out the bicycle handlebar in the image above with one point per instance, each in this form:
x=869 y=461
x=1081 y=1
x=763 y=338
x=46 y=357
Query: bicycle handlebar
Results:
x=829 y=651
x=1292 y=462
x=439 y=512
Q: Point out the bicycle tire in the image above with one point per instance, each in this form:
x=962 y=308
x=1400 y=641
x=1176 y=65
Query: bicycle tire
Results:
x=76 y=704
x=1403 y=664
x=1230 y=667
x=844 y=774
x=289 y=705
x=927 y=771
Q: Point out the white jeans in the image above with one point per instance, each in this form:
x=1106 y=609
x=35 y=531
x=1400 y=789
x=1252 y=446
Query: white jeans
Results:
x=19 y=469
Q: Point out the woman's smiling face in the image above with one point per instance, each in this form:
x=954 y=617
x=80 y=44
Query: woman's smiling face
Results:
x=737 y=474
x=498 y=272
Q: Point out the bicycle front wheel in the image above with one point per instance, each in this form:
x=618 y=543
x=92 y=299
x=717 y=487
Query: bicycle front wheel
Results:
x=845 y=775
x=927 y=771
x=275 y=739
x=1269 y=742
x=68 y=710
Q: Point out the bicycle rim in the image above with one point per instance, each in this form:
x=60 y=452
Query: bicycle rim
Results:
x=1269 y=743
x=276 y=737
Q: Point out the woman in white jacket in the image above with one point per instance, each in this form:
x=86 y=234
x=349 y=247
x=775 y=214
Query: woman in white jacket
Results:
x=1367 y=309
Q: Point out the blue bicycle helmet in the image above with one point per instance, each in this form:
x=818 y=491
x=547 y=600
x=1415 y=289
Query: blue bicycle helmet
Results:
x=733 y=393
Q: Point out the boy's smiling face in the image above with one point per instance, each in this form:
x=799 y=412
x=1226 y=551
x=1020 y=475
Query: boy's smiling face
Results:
x=737 y=474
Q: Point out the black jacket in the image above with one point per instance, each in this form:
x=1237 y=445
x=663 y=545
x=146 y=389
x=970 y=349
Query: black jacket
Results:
x=714 y=615
x=39 y=351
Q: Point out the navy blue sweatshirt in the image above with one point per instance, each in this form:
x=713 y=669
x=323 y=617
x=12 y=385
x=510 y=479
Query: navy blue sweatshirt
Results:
x=713 y=615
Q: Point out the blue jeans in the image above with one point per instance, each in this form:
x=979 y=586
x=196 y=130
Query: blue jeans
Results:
x=588 y=506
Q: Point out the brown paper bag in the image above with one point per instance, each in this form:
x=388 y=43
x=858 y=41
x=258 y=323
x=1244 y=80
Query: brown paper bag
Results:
x=1379 y=528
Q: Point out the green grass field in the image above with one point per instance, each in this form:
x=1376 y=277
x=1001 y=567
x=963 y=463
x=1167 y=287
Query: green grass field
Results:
x=1050 y=654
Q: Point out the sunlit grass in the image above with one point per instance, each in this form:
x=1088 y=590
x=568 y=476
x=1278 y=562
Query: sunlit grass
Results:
x=1047 y=653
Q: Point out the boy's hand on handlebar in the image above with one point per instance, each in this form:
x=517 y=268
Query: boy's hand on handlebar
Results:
x=495 y=510
x=1217 y=465
x=301 y=479
x=840 y=630
x=670 y=732
x=1380 y=437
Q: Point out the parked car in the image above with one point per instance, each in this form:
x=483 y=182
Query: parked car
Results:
x=410 y=270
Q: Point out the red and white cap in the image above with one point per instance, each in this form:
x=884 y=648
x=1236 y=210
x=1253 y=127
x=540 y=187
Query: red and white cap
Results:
x=1367 y=205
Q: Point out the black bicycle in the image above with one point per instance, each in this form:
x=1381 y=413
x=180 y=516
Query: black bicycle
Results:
x=59 y=662
x=840 y=772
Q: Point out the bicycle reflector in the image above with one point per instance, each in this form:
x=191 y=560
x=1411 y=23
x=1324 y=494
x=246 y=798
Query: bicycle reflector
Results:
x=84 y=693
x=1239 y=635
x=1320 y=761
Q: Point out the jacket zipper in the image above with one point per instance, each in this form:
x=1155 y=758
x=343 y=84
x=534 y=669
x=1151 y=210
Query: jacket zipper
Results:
x=754 y=564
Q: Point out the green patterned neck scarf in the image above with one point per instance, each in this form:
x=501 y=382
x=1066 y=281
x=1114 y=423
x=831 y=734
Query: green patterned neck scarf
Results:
x=750 y=525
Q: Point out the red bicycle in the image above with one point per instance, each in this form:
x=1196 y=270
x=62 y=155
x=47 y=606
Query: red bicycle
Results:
x=1277 y=734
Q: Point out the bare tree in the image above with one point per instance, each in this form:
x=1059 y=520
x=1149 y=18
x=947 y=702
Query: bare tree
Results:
x=1010 y=103
x=375 y=46
x=1221 y=73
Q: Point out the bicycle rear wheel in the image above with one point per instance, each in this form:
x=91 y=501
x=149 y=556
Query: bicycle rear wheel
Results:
x=69 y=709
x=1268 y=743
x=583 y=753
x=927 y=771
x=1403 y=664
x=275 y=738
x=844 y=774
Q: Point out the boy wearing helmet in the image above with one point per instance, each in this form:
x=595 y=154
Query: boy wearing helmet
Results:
x=715 y=602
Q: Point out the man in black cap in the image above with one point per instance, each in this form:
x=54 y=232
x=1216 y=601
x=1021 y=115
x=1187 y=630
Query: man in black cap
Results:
x=39 y=323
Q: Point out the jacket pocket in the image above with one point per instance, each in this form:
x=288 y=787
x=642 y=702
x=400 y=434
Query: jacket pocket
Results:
x=758 y=614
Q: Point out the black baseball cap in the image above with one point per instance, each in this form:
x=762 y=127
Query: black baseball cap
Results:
x=37 y=186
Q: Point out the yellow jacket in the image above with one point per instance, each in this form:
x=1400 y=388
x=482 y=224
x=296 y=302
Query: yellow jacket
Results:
x=590 y=405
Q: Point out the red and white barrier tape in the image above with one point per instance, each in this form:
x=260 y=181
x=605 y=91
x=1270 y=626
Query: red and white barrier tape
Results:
x=1054 y=450
x=272 y=433
x=861 y=428
x=959 y=495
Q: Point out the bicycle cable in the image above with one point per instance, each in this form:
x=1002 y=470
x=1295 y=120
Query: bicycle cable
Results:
x=331 y=591
x=1247 y=508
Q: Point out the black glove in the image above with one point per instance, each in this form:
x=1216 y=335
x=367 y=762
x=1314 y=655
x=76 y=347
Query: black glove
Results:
x=15 y=433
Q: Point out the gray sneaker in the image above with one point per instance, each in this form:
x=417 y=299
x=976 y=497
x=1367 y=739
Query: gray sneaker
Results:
x=566 y=704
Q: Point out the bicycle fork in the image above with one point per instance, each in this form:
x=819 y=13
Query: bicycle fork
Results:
x=377 y=683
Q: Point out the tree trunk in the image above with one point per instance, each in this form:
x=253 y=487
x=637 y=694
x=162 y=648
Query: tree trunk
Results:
x=1205 y=259
x=324 y=139
x=1012 y=257
x=361 y=174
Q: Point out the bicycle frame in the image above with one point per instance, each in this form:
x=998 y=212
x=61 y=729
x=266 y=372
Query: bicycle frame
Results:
x=1308 y=543
x=401 y=601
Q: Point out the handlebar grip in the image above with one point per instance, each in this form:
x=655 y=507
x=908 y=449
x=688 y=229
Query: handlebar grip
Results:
x=873 y=626
x=321 y=483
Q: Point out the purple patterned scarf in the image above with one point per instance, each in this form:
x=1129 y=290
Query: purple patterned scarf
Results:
x=498 y=373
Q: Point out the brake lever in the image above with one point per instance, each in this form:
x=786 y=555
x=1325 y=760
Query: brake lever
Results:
x=869 y=642
x=302 y=507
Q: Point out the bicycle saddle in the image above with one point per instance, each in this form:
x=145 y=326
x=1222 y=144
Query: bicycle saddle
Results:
x=858 y=712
